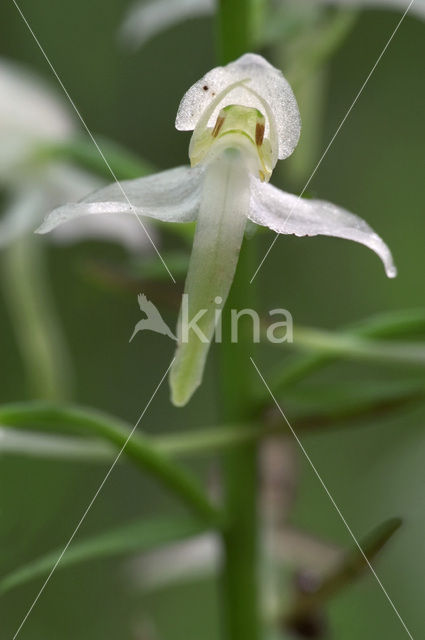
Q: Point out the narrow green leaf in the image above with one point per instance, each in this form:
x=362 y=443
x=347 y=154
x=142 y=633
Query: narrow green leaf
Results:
x=398 y=325
x=368 y=404
x=82 y=152
x=391 y=324
x=342 y=405
x=134 y=272
x=140 y=449
x=52 y=447
x=352 y=565
x=136 y=537
x=357 y=348
x=317 y=407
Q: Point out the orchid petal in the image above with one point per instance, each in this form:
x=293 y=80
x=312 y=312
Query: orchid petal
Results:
x=219 y=234
x=170 y=196
x=268 y=87
x=123 y=230
x=289 y=214
x=198 y=556
x=146 y=19
x=65 y=182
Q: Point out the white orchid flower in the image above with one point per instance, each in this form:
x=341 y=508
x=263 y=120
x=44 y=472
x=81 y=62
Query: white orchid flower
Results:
x=30 y=115
x=244 y=118
x=146 y=19
x=33 y=116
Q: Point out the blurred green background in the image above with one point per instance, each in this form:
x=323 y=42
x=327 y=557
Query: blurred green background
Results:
x=375 y=470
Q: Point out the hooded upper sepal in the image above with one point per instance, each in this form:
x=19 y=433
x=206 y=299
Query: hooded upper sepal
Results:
x=286 y=213
x=256 y=83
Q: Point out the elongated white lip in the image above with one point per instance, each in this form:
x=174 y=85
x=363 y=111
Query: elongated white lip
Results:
x=219 y=233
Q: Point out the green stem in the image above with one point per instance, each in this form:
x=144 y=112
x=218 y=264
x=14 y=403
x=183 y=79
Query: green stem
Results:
x=238 y=25
x=311 y=97
x=37 y=331
x=138 y=448
x=237 y=22
x=304 y=55
x=241 y=580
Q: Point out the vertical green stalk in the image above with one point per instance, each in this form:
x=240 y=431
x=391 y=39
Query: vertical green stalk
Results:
x=304 y=58
x=238 y=23
x=311 y=96
x=240 y=579
x=38 y=335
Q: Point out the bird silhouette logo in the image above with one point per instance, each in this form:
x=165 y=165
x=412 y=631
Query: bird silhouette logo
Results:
x=153 y=321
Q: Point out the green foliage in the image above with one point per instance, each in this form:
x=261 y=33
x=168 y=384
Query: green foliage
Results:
x=138 y=448
x=84 y=154
x=310 y=598
x=136 y=537
x=366 y=171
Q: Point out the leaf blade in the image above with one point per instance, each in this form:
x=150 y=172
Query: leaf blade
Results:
x=135 y=537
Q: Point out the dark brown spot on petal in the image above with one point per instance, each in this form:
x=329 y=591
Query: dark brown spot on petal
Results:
x=259 y=134
x=205 y=87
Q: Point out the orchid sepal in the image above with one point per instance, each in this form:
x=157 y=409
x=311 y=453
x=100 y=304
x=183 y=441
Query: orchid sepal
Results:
x=288 y=214
x=170 y=196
